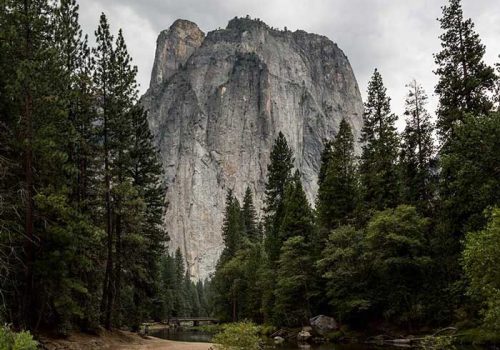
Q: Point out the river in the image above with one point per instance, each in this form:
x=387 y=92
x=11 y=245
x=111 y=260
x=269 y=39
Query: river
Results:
x=187 y=335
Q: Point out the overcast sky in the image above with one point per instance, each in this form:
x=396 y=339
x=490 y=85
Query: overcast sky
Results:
x=396 y=36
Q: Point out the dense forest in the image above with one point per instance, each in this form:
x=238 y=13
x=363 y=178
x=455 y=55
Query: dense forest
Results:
x=81 y=193
x=405 y=235
x=405 y=232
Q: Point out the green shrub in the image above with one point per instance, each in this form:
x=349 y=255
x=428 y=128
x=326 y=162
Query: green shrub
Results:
x=238 y=336
x=267 y=329
x=437 y=343
x=10 y=340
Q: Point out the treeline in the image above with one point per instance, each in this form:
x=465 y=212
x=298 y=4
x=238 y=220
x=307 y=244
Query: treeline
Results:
x=81 y=194
x=179 y=296
x=385 y=242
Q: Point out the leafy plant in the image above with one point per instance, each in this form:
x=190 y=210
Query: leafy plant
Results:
x=240 y=335
x=437 y=343
x=10 y=340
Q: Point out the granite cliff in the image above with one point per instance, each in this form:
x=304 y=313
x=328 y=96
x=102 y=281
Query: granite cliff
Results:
x=216 y=103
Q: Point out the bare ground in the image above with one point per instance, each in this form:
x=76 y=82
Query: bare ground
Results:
x=116 y=340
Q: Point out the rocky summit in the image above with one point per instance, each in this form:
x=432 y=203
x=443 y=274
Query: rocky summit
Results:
x=216 y=104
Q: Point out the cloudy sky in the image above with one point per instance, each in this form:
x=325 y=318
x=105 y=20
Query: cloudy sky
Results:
x=396 y=36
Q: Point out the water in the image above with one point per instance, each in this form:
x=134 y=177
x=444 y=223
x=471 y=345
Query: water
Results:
x=187 y=335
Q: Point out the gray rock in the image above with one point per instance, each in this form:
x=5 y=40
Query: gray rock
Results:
x=279 y=340
x=216 y=105
x=303 y=336
x=323 y=324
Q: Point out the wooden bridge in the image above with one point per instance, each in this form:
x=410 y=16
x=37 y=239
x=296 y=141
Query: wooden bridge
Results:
x=195 y=321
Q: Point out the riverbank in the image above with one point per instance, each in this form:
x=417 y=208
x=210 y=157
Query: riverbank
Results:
x=116 y=340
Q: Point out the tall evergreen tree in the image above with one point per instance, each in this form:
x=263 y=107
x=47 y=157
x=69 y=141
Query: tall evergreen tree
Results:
x=104 y=80
x=295 y=268
x=417 y=154
x=232 y=228
x=249 y=217
x=279 y=174
x=338 y=192
x=293 y=284
x=378 y=168
x=464 y=79
x=298 y=218
x=326 y=156
x=465 y=83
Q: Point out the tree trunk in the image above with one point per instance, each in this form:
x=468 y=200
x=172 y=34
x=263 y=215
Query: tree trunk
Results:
x=27 y=120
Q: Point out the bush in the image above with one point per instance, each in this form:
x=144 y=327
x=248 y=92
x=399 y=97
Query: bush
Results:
x=238 y=336
x=10 y=340
x=437 y=343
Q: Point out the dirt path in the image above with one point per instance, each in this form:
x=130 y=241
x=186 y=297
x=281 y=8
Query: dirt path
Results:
x=117 y=340
x=161 y=344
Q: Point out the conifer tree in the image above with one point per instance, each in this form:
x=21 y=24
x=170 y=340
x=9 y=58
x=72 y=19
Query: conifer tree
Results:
x=338 y=193
x=417 y=154
x=232 y=228
x=37 y=137
x=465 y=83
x=464 y=79
x=180 y=306
x=147 y=178
x=293 y=283
x=326 y=156
x=296 y=273
x=104 y=81
x=249 y=217
x=298 y=218
x=378 y=167
x=278 y=176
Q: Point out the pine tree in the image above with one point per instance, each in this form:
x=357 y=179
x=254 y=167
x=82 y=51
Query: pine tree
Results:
x=296 y=274
x=464 y=79
x=338 y=192
x=467 y=182
x=326 y=156
x=378 y=168
x=278 y=176
x=298 y=218
x=181 y=304
x=147 y=178
x=232 y=229
x=125 y=197
x=417 y=154
x=249 y=217
x=37 y=152
x=104 y=81
x=293 y=283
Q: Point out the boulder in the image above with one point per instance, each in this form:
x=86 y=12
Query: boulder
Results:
x=303 y=336
x=323 y=324
x=278 y=340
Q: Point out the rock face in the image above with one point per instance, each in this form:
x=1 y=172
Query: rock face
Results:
x=216 y=104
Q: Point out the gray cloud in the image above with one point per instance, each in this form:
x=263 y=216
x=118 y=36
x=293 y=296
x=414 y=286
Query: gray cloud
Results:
x=396 y=36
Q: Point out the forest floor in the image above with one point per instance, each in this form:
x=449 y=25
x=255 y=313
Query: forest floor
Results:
x=116 y=340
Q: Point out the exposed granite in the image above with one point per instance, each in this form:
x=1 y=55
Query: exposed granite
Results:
x=216 y=104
